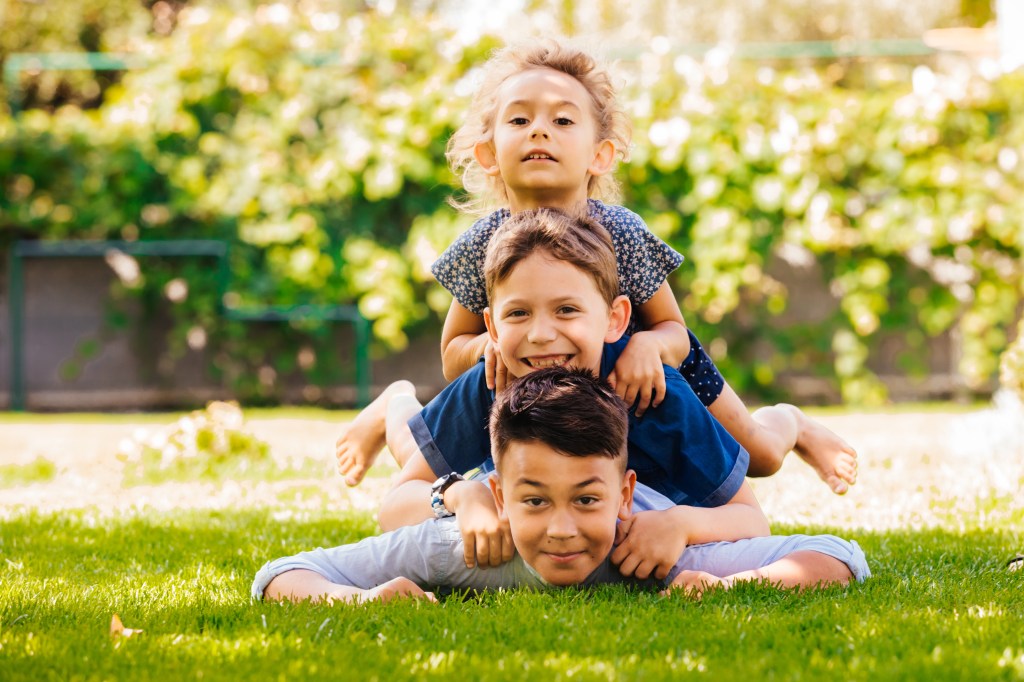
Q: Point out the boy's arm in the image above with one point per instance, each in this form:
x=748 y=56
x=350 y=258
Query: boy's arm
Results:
x=807 y=569
x=651 y=542
x=301 y=584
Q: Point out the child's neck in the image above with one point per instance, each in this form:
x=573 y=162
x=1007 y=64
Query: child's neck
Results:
x=570 y=203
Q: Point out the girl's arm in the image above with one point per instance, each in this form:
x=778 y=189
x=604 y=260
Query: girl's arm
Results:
x=663 y=322
x=463 y=340
x=653 y=541
x=638 y=373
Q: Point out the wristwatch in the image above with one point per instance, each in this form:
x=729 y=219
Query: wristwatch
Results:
x=437 y=494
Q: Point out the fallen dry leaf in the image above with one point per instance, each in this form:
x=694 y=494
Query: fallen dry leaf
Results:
x=117 y=628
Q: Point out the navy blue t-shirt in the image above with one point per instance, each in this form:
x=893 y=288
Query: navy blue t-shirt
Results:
x=677 y=448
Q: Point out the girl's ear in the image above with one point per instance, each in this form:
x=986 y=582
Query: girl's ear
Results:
x=499 y=496
x=618 y=318
x=484 y=154
x=604 y=158
x=628 y=486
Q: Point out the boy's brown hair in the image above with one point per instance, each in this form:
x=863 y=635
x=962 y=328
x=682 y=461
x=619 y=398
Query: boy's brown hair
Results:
x=610 y=121
x=576 y=240
x=567 y=409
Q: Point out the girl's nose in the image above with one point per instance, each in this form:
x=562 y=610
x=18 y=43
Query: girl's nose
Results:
x=538 y=131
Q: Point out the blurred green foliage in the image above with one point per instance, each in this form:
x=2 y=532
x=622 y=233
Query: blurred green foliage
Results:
x=314 y=143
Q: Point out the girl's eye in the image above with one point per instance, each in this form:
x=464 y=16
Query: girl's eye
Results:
x=518 y=121
x=515 y=313
x=567 y=310
x=563 y=121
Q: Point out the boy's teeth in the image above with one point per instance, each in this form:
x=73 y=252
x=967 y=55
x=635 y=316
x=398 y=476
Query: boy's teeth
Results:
x=539 y=156
x=541 y=363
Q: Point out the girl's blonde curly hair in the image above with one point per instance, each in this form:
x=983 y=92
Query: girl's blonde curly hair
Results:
x=487 y=192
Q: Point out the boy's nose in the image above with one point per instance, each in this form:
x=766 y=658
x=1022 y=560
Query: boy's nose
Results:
x=541 y=330
x=538 y=131
x=562 y=526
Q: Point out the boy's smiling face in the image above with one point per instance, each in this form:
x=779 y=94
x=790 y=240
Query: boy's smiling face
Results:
x=561 y=508
x=549 y=312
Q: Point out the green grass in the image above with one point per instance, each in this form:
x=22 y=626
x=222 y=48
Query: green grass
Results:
x=940 y=606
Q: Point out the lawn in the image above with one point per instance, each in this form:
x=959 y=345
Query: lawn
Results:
x=80 y=541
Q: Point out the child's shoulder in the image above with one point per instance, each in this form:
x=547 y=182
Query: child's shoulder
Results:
x=616 y=219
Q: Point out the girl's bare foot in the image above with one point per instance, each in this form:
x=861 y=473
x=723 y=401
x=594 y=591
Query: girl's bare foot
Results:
x=364 y=437
x=829 y=455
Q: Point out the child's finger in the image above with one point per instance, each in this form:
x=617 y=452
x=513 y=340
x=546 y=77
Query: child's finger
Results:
x=500 y=373
x=489 y=361
x=659 y=390
x=629 y=565
x=629 y=394
x=622 y=529
x=508 y=550
x=644 y=402
x=494 y=550
x=482 y=553
x=645 y=569
x=469 y=549
x=612 y=381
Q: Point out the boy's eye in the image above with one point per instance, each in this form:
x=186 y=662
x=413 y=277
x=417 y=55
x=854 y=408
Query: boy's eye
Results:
x=516 y=313
x=567 y=310
x=518 y=120
x=533 y=501
x=587 y=500
x=563 y=121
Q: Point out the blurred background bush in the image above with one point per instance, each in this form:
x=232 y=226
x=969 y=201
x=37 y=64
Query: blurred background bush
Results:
x=310 y=136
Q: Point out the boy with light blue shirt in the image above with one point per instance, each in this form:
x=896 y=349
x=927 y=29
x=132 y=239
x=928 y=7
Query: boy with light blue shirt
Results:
x=561 y=483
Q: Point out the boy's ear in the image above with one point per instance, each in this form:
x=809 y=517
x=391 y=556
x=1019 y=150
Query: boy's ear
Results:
x=604 y=158
x=628 y=486
x=618 y=318
x=489 y=323
x=484 y=154
x=499 y=497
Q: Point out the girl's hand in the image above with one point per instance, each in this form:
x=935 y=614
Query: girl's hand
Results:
x=486 y=538
x=494 y=368
x=639 y=376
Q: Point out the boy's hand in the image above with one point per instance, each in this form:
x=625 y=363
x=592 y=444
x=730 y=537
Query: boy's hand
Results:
x=696 y=583
x=639 y=376
x=494 y=368
x=486 y=538
x=649 y=543
x=396 y=588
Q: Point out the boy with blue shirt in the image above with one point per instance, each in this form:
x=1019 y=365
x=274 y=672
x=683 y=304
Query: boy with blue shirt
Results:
x=554 y=300
x=561 y=483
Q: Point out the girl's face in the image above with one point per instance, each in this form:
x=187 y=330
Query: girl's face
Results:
x=544 y=146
